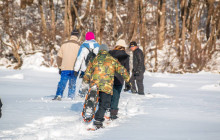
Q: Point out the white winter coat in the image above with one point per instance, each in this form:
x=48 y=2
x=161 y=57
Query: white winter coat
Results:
x=80 y=64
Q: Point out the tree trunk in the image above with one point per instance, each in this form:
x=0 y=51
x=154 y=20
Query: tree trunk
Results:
x=210 y=8
x=162 y=22
x=114 y=20
x=102 y=20
x=66 y=21
x=97 y=20
x=142 y=12
x=44 y=26
x=183 y=34
x=133 y=24
x=70 y=20
x=177 y=29
x=53 y=24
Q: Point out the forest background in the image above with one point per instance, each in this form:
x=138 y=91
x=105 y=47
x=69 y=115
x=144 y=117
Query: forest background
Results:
x=176 y=36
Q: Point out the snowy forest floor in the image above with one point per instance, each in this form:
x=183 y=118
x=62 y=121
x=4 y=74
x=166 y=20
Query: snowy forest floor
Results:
x=180 y=107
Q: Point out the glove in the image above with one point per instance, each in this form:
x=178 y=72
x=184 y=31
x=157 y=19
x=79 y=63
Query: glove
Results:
x=127 y=86
x=75 y=73
x=82 y=74
x=59 y=71
x=137 y=73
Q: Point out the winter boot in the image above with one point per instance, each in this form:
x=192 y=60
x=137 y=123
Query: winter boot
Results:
x=57 y=98
x=141 y=93
x=114 y=114
x=98 y=124
x=134 y=91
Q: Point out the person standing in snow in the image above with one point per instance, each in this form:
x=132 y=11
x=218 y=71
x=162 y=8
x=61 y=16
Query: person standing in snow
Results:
x=0 y=108
x=89 y=45
x=65 y=60
x=119 y=53
x=101 y=72
x=138 y=69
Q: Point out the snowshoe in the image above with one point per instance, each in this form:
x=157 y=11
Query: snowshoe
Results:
x=91 y=101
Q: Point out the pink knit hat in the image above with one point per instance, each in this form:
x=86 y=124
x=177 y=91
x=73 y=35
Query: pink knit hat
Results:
x=90 y=35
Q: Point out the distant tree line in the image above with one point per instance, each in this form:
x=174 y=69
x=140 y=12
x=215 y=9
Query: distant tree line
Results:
x=175 y=35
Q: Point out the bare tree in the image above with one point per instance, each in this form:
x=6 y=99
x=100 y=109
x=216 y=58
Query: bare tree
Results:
x=161 y=22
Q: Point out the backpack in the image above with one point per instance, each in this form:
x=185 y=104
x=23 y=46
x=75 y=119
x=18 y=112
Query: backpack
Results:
x=91 y=55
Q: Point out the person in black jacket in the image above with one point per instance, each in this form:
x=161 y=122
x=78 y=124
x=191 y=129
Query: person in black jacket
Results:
x=0 y=108
x=138 y=69
x=119 y=53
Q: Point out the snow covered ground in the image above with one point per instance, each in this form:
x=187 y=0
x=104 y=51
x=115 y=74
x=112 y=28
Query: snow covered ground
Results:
x=180 y=107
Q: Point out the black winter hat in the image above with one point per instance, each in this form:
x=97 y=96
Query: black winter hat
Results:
x=132 y=44
x=75 y=32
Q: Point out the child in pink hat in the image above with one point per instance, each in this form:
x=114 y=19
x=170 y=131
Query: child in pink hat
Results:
x=90 y=36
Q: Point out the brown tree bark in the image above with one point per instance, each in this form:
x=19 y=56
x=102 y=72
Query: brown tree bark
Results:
x=142 y=15
x=133 y=23
x=53 y=24
x=183 y=33
x=70 y=16
x=162 y=22
x=114 y=20
x=66 y=20
x=43 y=21
x=177 y=29
x=210 y=8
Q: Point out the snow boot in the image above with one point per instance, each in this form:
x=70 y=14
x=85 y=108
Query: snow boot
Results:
x=141 y=93
x=98 y=124
x=114 y=114
x=57 y=98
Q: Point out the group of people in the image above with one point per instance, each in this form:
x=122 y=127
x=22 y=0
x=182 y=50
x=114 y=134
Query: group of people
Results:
x=108 y=70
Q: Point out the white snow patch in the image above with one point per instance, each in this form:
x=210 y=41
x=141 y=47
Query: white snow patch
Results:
x=212 y=87
x=163 y=85
x=149 y=96
x=14 y=76
x=33 y=61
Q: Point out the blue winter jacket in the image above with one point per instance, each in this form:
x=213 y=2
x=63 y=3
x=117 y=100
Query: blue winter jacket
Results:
x=80 y=64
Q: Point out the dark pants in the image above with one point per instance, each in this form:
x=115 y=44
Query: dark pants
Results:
x=139 y=81
x=116 y=95
x=0 y=108
x=104 y=104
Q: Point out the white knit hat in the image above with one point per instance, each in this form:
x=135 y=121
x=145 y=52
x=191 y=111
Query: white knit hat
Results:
x=121 y=42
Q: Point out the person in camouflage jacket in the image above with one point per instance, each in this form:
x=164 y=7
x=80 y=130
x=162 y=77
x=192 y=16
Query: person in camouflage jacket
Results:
x=101 y=72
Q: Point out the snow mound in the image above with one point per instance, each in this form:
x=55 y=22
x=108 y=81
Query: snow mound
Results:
x=33 y=61
x=36 y=62
x=212 y=87
x=149 y=96
x=163 y=85
x=15 y=76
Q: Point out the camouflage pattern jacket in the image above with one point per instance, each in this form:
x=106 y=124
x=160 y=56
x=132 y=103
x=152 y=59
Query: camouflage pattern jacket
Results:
x=101 y=72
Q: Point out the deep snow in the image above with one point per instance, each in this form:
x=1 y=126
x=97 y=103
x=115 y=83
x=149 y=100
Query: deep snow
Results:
x=183 y=107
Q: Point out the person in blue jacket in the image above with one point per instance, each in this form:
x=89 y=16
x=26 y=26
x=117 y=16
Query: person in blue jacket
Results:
x=89 y=45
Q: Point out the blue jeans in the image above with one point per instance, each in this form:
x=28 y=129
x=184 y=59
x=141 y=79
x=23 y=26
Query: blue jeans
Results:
x=65 y=76
x=116 y=95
